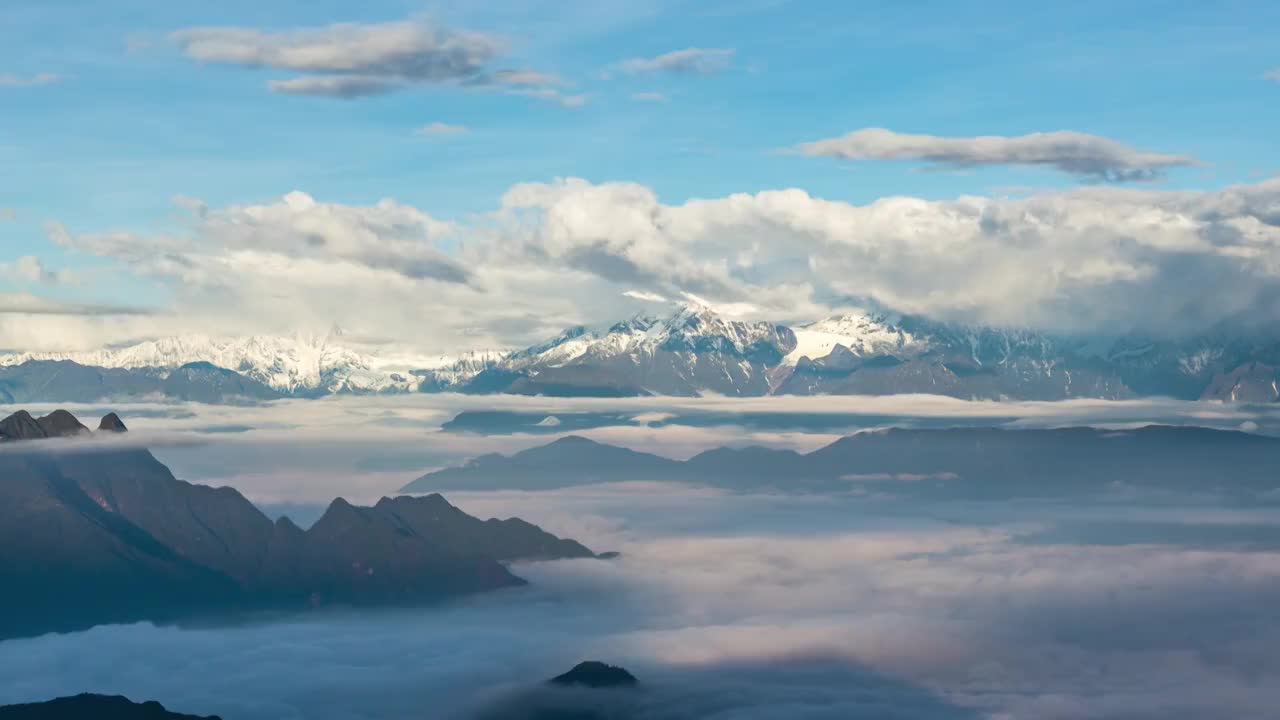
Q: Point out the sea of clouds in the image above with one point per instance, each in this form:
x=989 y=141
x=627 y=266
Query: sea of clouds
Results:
x=724 y=605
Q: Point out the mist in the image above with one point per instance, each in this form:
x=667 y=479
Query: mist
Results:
x=759 y=606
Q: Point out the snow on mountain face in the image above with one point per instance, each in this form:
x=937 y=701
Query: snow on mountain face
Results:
x=300 y=364
x=692 y=328
x=863 y=334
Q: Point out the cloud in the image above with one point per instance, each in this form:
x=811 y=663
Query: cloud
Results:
x=339 y=86
x=7 y=214
x=1273 y=75
x=552 y=95
x=441 y=128
x=352 y=60
x=1095 y=259
x=645 y=296
x=25 y=304
x=9 y=80
x=526 y=77
x=30 y=269
x=1088 y=156
x=754 y=607
x=653 y=97
x=693 y=60
x=555 y=254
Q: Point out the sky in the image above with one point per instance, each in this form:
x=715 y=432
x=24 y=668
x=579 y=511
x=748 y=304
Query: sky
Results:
x=461 y=175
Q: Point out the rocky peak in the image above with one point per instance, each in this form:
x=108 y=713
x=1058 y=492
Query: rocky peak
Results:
x=21 y=426
x=61 y=423
x=111 y=422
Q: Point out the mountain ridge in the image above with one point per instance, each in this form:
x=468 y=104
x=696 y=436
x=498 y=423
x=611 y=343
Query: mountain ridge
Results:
x=689 y=352
x=981 y=462
x=115 y=525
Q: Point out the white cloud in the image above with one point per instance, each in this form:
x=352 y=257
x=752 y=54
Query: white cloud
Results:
x=1273 y=75
x=26 y=268
x=701 y=61
x=646 y=296
x=441 y=128
x=9 y=80
x=561 y=253
x=1088 y=156
x=551 y=95
x=653 y=97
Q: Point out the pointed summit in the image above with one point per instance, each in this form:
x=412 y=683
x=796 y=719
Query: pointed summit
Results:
x=111 y=422
x=21 y=426
x=61 y=423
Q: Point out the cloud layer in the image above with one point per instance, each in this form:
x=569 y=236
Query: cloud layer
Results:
x=1088 y=156
x=559 y=253
x=757 y=607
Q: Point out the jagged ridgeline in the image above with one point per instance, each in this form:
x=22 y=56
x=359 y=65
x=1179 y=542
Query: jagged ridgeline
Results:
x=691 y=351
x=98 y=532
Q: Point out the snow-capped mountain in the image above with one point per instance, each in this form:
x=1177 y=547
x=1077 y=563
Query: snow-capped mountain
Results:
x=694 y=350
x=862 y=333
x=691 y=351
x=300 y=364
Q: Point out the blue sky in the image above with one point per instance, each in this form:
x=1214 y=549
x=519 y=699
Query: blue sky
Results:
x=131 y=122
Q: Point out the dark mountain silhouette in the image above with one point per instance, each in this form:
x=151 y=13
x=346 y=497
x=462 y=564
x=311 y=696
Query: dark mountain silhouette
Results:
x=595 y=674
x=94 y=707
x=570 y=460
x=114 y=525
x=111 y=422
x=954 y=462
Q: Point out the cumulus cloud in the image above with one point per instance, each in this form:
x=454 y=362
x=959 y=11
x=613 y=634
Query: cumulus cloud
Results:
x=9 y=80
x=1080 y=154
x=441 y=128
x=691 y=60
x=561 y=253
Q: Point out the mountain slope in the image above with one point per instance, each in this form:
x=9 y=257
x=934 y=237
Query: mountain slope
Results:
x=114 y=525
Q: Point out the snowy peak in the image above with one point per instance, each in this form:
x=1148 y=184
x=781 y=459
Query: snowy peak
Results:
x=301 y=364
x=689 y=329
x=863 y=334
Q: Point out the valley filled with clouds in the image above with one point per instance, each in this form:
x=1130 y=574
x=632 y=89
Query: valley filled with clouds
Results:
x=764 y=606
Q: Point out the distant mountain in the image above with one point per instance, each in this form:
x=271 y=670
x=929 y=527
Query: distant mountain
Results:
x=690 y=352
x=113 y=525
x=265 y=366
x=972 y=463
x=94 y=707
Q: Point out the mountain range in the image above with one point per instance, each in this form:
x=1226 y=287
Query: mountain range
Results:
x=692 y=351
x=952 y=463
x=102 y=532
